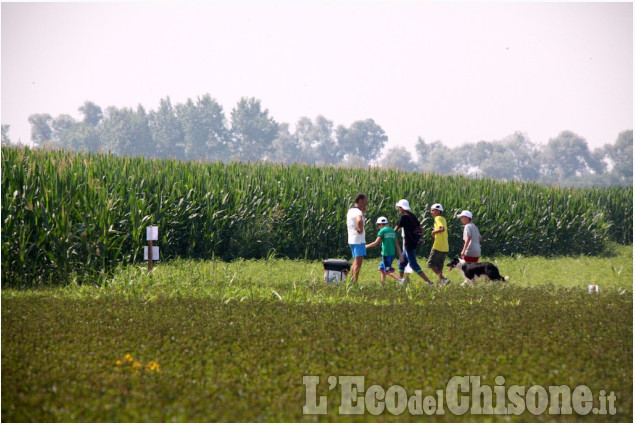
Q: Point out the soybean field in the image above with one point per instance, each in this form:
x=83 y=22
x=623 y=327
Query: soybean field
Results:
x=203 y=341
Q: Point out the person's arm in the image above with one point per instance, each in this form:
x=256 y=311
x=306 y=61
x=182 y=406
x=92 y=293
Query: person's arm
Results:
x=372 y=244
x=360 y=224
x=398 y=225
x=398 y=247
x=441 y=229
x=467 y=243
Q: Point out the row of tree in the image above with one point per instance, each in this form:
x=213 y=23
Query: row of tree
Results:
x=564 y=160
x=200 y=130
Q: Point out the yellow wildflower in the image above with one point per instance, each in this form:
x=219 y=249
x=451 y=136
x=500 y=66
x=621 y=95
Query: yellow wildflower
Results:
x=128 y=358
x=153 y=366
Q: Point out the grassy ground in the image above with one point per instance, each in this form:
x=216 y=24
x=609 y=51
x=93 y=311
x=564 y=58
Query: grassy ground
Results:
x=211 y=341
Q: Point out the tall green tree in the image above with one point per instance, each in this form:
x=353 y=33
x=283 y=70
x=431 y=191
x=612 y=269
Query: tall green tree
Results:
x=92 y=113
x=80 y=137
x=41 y=131
x=317 y=142
x=565 y=156
x=285 y=146
x=252 y=130
x=523 y=157
x=620 y=157
x=363 y=139
x=400 y=159
x=512 y=158
x=167 y=131
x=127 y=132
x=60 y=124
x=204 y=129
x=144 y=145
x=436 y=157
x=6 y=140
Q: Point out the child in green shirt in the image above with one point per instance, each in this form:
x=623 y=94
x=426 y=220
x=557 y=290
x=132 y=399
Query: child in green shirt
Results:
x=389 y=247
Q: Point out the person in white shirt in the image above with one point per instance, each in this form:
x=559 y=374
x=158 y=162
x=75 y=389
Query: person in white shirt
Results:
x=357 y=234
x=472 y=247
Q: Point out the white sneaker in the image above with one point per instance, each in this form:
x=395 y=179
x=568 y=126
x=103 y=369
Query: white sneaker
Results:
x=401 y=281
x=445 y=280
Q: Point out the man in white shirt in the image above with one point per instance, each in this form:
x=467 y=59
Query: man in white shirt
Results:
x=357 y=234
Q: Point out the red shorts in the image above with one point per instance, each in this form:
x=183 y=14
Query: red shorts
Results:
x=470 y=259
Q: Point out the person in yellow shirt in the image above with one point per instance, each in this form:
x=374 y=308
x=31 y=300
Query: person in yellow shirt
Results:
x=441 y=245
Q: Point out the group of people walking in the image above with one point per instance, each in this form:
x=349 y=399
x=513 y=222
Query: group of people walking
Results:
x=411 y=233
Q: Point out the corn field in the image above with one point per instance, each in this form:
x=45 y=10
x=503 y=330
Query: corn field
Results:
x=70 y=214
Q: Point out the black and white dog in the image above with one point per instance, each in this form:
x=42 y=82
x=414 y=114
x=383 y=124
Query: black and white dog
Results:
x=471 y=271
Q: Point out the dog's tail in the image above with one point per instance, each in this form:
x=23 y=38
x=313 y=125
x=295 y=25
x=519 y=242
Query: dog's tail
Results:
x=506 y=278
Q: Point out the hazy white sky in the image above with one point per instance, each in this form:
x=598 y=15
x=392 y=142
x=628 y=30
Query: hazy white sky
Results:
x=455 y=72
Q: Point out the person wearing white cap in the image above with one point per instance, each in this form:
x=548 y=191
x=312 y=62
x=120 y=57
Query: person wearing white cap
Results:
x=387 y=237
x=408 y=224
x=441 y=246
x=357 y=234
x=472 y=247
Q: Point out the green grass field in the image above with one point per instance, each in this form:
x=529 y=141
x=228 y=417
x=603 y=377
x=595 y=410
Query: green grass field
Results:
x=215 y=341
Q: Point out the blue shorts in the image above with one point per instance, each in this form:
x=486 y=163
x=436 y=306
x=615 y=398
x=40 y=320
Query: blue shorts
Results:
x=358 y=249
x=386 y=263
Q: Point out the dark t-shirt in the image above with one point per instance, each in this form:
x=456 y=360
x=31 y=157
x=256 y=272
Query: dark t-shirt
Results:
x=409 y=223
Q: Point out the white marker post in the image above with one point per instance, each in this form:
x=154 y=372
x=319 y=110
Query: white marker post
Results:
x=152 y=234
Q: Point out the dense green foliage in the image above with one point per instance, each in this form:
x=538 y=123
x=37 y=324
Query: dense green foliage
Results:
x=617 y=204
x=565 y=160
x=213 y=341
x=65 y=213
x=200 y=130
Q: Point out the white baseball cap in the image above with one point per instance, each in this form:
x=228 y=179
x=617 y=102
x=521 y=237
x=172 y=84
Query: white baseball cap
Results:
x=436 y=207
x=403 y=204
x=382 y=220
x=465 y=213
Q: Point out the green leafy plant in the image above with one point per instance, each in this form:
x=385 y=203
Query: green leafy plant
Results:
x=207 y=341
x=75 y=216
